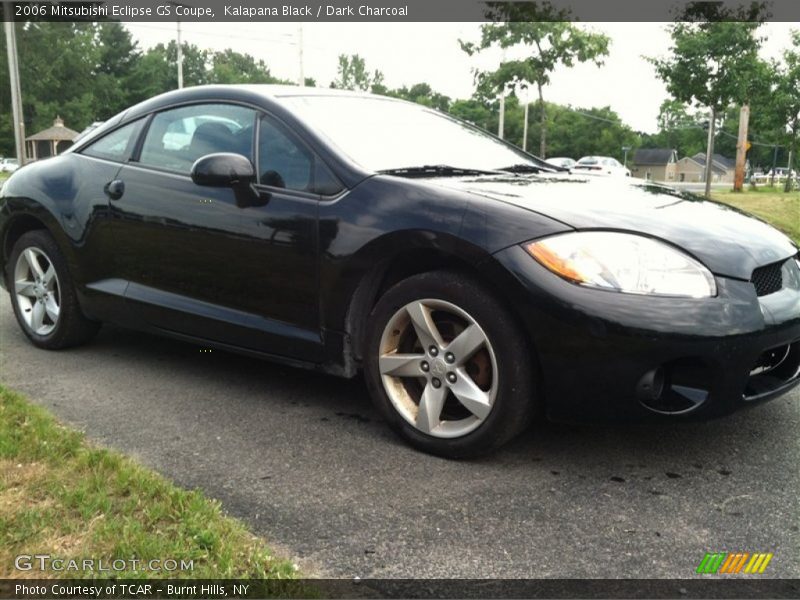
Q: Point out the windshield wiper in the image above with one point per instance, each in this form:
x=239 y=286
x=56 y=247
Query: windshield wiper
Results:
x=434 y=171
x=523 y=168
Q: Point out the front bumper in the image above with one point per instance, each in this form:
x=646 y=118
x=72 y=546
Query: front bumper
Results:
x=603 y=354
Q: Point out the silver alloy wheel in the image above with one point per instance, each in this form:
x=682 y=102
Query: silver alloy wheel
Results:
x=438 y=368
x=37 y=290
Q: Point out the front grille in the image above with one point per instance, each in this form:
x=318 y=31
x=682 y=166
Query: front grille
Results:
x=768 y=279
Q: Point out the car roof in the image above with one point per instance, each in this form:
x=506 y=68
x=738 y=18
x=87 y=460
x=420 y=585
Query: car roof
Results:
x=269 y=90
x=257 y=94
x=247 y=91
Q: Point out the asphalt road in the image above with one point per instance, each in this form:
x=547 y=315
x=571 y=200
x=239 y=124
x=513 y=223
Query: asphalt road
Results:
x=304 y=460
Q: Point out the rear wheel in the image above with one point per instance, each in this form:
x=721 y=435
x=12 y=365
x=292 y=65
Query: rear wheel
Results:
x=447 y=365
x=43 y=296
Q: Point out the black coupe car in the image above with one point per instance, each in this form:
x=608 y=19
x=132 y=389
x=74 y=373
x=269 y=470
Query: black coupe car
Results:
x=473 y=284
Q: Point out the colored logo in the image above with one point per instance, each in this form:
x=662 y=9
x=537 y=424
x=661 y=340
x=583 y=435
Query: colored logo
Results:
x=734 y=562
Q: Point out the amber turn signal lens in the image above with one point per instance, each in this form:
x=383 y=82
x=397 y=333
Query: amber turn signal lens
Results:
x=549 y=259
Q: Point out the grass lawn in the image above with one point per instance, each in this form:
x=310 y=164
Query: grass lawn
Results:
x=771 y=204
x=62 y=496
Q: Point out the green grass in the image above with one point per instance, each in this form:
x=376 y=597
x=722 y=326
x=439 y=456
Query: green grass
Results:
x=771 y=204
x=62 y=496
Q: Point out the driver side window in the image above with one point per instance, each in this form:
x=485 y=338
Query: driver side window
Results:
x=177 y=138
x=284 y=162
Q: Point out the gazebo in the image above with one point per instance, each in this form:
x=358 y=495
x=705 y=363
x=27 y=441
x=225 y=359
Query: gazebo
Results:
x=51 y=141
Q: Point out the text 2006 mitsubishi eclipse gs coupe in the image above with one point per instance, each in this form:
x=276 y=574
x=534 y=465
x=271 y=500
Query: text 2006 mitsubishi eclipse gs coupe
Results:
x=472 y=283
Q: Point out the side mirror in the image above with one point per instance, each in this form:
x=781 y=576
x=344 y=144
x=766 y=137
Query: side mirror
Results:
x=224 y=169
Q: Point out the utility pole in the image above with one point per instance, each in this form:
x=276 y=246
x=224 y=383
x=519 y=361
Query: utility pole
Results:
x=527 y=101
x=502 y=121
x=13 y=76
x=741 y=148
x=525 y=125
x=180 y=44
x=788 y=185
x=302 y=81
x=712 y=125
x=625 y=149
x=180 y=57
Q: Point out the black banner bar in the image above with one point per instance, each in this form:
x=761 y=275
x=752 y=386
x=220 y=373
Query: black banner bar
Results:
x=406 y=10
x=744 y=586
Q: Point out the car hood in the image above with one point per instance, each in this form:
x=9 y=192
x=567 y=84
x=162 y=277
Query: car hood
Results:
x=729 y=242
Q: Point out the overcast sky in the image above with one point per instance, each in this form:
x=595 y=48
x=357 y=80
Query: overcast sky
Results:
x=409 y=53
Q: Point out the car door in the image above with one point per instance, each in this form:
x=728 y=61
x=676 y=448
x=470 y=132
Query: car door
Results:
x=282 y=229
x=198 y=260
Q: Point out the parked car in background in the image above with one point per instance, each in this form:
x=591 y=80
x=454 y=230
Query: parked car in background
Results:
x=603 y=166
x=562 y=161
x=778 y=175
x=473 y=284
x=179 y=133
x=9 y=165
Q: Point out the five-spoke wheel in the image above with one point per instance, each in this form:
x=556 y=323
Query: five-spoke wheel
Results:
x=438 y=368
x=448 y=366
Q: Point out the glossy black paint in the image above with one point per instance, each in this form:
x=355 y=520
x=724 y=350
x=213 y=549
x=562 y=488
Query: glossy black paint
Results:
x=293 y=276
x=223 y=170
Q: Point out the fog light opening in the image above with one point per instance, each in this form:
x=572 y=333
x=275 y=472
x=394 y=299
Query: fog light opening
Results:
x=651 y=385
x=675 y=388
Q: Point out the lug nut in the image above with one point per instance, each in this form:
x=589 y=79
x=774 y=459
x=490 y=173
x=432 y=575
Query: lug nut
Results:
x=436 y=383
x=434 y=351
x=451 y=377
x=425 y=366
x=450 y=357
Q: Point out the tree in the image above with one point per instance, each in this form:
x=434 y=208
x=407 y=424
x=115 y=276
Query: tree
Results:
x=597 y=131
x=353 y=74
x=152 y=75
x=421 y=93
x=711 y=64
x=472 y=111
x=229 y=66
x=786 y=100
x=679 y=129
x=117 y=55
x=551 y=44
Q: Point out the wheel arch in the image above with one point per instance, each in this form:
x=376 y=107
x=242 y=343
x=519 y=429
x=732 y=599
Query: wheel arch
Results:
x=474 y=263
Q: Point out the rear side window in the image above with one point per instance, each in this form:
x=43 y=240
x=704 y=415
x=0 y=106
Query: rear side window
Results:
x=118 y=145
x=177 y=138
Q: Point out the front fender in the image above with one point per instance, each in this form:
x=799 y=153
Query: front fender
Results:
x=65 y=194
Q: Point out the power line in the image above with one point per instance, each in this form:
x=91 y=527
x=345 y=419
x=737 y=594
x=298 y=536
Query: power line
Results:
x=684 y=127
x=595 y=117
x=754 y=143
x=287 y=42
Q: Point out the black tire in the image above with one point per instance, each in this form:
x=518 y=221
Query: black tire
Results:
x=514 y=403
x=72 y=328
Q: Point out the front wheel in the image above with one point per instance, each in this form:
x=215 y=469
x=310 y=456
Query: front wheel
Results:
x=447 y=365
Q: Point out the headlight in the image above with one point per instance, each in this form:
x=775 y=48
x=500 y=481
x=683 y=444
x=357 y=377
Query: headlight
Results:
x=623 y=262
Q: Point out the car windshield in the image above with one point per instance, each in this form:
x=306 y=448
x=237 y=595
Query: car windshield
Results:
x=591 y=160
x=382 y=134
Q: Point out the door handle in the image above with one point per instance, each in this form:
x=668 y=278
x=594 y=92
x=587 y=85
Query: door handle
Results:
x=114 y=189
